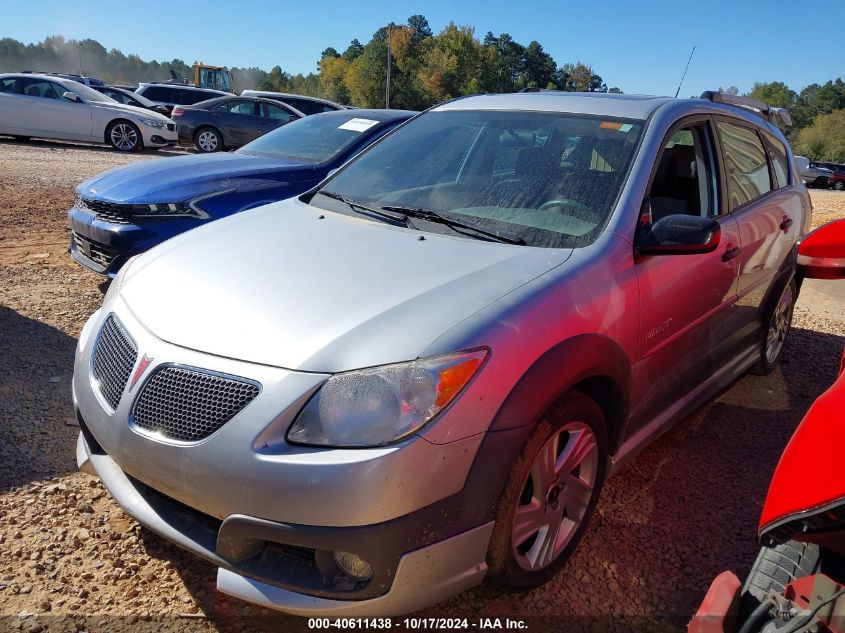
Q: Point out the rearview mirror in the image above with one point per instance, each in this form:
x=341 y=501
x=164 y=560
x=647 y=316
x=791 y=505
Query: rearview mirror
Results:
x=72 y=96
x=821 y=254
x=679 y=234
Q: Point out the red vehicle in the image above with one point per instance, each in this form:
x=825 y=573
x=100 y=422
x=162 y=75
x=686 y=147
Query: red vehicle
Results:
x=837 y=181
x=797 y=582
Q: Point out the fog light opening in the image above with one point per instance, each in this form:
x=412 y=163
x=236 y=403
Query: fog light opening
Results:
x=353 y=566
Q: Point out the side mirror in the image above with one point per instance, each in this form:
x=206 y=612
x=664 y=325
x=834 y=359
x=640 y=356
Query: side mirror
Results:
x=679 y=234
x=72 y=96
x=821 y=254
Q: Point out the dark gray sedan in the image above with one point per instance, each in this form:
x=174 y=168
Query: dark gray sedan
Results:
x=229 y=122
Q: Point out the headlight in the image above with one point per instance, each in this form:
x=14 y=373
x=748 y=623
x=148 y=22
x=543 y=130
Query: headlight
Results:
x=159 y=125
x=373 y=407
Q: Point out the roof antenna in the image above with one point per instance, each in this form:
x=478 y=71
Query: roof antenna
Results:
x=685 y=72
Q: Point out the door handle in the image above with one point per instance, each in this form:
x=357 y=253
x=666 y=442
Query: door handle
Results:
x=787 y=222
x=730 y=253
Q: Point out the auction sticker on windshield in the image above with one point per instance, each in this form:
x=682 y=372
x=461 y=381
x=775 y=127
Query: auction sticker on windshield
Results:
x=358 y=125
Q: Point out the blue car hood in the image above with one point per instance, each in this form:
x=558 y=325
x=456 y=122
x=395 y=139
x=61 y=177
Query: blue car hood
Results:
x=185 y=177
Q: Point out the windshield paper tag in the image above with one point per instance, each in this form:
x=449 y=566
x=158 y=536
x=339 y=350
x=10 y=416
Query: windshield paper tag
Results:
x=358 y=125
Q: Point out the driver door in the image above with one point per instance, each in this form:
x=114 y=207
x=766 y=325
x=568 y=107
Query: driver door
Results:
x=686 y=300
x=45 y=111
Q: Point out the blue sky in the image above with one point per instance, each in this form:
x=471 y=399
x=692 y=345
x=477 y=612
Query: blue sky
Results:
x=638 y=45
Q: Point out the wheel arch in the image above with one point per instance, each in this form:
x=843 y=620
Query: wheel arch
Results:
x=117 y=120
x=592 y=364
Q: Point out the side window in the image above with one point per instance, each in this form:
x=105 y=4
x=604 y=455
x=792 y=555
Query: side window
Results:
x=237 y=106
x=190 y=97
x=40 y=88
x=683 y=180
x=10 y=85
x=745 y=162
x=305 y=106
x=158 y=93
x=272 y=111
x=780 y=163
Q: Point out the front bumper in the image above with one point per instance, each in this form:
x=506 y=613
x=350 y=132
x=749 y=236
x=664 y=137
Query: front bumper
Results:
x=265 y=510
x=104 y=247
x=239 y=548
x=158 y=137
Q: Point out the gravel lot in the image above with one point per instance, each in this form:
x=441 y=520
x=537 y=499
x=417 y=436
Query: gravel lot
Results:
x=70 y=560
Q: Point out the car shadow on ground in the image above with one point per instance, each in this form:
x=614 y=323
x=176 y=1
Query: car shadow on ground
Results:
x=51 y=144
x=37 y=423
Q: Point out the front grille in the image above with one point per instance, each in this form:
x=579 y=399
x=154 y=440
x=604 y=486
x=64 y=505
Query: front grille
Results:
x=96 y=252
x=108 y=211
x=119 y=213
x=188 y=405
x=114 y=357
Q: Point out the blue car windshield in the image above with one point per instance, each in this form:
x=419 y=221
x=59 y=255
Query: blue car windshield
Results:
x=312 y=139
x=549 y=178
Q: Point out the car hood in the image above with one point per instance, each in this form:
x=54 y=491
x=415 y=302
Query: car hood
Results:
x=182 y=178
x=807 y=492
x=131 y=111
x=291 y=286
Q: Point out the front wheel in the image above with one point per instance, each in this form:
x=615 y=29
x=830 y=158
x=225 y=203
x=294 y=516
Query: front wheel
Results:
x=124 y=136
x=208 y=140
x=779 y=323
x=839 y=185
x=550 y=494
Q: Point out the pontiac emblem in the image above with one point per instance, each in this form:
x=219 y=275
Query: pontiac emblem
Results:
x=142 y=367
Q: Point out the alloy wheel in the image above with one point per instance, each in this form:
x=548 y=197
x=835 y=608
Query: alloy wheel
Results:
x=124 y=137
x=555 y=497
x=779 y=325
x=207 y=141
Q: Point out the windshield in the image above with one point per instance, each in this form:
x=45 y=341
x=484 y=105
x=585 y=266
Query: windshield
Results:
x=313 y=139
x=88 y=94
x=550 y=178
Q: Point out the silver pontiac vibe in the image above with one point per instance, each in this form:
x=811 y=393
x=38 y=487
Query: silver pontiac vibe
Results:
x=366 y=399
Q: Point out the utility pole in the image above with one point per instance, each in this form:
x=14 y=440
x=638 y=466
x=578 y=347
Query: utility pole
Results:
x=387 y=92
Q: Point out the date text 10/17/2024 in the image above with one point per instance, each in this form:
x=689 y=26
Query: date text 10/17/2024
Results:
x=419 y=624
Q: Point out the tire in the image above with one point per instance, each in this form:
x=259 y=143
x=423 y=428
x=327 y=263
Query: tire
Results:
x=777 y=329
x=774 y=568
x=208 y=140
x=839 y=185
x=521 y=557
x=124 y=136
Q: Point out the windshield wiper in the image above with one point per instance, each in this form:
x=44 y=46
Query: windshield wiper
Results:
x=357 y=206
x=453 y=222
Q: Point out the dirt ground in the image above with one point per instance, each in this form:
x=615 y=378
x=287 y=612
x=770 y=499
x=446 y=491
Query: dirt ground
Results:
x=71 y=560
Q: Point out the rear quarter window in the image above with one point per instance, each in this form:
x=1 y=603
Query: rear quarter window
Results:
x=780 y=163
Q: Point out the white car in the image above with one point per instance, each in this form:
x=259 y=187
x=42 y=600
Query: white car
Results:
x=46 y=106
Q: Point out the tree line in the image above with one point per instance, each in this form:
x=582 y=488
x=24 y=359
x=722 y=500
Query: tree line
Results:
x=427 y=68
x=818 y=116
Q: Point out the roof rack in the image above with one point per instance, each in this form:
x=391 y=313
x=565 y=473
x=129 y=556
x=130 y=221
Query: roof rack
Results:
x=770 y=113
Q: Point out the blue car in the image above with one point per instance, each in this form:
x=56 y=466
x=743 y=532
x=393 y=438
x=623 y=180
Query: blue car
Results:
x=125 y=211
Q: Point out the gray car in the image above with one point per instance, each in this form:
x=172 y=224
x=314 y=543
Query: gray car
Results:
x=369 y=398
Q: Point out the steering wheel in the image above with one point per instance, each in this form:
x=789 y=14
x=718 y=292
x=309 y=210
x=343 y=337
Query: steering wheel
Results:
x=566 y=203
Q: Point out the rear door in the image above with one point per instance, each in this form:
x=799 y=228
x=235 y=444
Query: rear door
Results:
x=766 y=208
x=686 y=300
x=47 y=112
x=241 y=121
